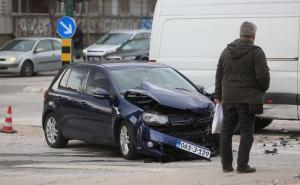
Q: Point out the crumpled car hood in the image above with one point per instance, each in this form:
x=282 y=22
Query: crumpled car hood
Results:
x=146 y=92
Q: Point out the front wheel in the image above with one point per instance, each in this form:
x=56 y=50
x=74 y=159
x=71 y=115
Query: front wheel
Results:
x=52 y=131
x=27 y=69
x=127 y=141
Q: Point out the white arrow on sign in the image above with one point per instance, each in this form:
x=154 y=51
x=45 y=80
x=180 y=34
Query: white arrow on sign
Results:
x=68 y=29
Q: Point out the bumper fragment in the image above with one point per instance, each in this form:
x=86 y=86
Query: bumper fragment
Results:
x=176 y=143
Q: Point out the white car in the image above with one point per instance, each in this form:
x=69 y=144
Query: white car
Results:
x=110 y=42
x=28 y=56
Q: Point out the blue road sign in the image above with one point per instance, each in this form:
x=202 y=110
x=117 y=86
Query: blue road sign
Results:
x=66 y=27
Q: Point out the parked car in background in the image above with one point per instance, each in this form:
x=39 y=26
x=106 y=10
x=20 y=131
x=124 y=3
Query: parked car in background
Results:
x=153 y=110
x=28 y=56
x=136 y=49
x=111 y=42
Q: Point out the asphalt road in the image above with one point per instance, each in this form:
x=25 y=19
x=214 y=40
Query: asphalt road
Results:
x=25 y=157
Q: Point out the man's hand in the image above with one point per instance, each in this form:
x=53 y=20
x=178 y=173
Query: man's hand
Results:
x=217 y=101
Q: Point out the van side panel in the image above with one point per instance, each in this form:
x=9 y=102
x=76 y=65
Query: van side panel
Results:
x=190 y=36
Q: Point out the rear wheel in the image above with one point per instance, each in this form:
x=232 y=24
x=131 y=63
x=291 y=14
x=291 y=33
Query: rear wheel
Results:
x=52 y=131
x=27 y=69
x=261 y=123
x=127 y=141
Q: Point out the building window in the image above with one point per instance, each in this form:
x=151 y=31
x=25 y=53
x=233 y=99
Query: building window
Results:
x=124 y=7
x=30 y=6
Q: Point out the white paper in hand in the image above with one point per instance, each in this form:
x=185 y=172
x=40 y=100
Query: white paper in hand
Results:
x=218 y=119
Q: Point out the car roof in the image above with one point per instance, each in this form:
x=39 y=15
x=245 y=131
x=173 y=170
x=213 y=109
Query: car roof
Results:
x=36 y=38
x=131 y=31
x=126 y=65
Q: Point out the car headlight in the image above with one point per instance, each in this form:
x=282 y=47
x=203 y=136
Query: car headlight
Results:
x=84 y=51
x=12 y=59
x=155 y=119
x=129 y=58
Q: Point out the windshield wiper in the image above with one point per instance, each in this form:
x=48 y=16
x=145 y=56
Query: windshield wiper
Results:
x=180 y=88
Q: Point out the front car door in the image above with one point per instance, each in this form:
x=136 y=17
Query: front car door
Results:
x=43 y=55
x=98 y=112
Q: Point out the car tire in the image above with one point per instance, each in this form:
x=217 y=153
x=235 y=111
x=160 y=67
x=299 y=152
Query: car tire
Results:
x=127 y=141
x=27 y=68
x=52 y=131
x=261 y=123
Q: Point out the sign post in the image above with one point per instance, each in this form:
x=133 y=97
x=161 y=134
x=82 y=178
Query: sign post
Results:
x=66 y=28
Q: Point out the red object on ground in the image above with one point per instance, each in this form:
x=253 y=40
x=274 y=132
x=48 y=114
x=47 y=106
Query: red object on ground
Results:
x=7 y=128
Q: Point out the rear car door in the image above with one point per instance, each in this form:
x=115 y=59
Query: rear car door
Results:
x=56 y=44
x=44 y=56
x=97 y=112
x=69 y=100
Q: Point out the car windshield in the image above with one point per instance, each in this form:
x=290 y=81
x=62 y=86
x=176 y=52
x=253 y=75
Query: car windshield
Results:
x=114 y=38
x=19 y=45
x=139 y=44
x=167 y=77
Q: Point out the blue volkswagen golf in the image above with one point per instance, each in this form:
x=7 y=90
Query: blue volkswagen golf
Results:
x=142 y=108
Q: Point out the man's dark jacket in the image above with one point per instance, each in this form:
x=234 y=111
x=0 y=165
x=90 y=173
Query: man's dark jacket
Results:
x=242 y=73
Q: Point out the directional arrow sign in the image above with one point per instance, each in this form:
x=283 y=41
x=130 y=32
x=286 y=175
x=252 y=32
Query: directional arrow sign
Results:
x=66 y=27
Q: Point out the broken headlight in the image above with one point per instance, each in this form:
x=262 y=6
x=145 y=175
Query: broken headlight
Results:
x=151 y=118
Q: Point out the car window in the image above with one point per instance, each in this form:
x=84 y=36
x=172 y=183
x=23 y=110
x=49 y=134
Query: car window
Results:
x=136 y=44
x=167 y=77
x=114 y=38
x=56 y=45
x=19 y=45
x=44 y=45
x=64 y=80
x=142 y=36
x=76 y=79
x=95 y=80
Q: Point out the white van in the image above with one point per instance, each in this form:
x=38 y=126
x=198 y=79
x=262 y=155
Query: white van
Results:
x=190 y=35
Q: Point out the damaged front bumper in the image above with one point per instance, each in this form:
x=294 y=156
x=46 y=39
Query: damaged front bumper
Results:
x=155 y=143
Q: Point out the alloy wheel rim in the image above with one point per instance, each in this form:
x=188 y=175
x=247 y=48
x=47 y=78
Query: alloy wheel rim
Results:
x=28 y=69
x=124 y=140
x=51 y=130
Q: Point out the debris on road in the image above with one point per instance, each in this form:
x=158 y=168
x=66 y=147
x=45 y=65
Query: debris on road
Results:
x=274 y=151
x=297 y=177
x=282 y=141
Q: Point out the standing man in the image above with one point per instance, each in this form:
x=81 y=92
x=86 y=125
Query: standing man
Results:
x=242 y=79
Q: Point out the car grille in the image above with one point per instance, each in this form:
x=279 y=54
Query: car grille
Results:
x=2 y=59
x=188 y=127
x=194 y=120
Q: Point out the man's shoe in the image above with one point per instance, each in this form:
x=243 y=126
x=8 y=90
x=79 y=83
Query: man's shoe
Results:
x=228 y=169
x=248 y=169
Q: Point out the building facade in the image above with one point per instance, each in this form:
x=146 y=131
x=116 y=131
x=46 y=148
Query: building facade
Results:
x=31 y=18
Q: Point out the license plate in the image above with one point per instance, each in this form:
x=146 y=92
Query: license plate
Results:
x=193 y=149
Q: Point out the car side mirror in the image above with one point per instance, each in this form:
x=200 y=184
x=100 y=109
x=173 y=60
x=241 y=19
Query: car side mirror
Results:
x=100 y=93
x=202 y=91
x=200 y=88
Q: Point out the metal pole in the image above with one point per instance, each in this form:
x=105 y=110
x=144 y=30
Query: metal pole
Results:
x=69 y=7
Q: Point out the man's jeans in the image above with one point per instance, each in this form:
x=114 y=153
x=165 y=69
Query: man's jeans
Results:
x=234 y=114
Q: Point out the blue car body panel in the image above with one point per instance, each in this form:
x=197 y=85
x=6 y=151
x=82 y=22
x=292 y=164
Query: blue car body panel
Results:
x=101 y=116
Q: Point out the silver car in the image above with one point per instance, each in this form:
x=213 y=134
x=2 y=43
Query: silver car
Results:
x=111 y=42
x=28 y=56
